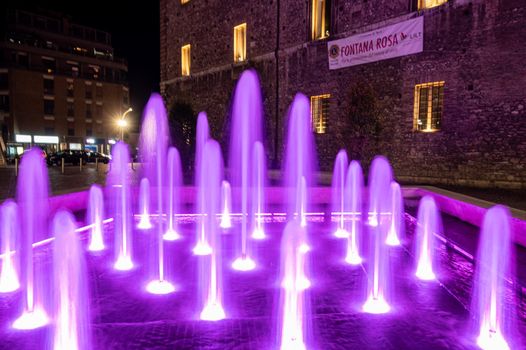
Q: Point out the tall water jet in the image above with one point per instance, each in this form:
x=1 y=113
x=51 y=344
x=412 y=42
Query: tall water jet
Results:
x=300 y=153
x=70 y=287
x=175 y=180
x=301 y=201
x=293 y=283
x=226 y=200
x=95 y=218
x=396 y=228
x=353 y=208
x=212 y=307
x=258 y=190
x=144 y=205
x=338 y=189
x=492 y=315
x=9 y=235
x=202 y=246
x=154 y=146
x=379 y=184
x=247 y=109
x=429 y=224
x=32 y=199
x=378 y=293
x=119 y=184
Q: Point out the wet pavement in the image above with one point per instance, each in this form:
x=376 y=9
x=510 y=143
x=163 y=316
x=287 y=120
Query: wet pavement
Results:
x=425 y=315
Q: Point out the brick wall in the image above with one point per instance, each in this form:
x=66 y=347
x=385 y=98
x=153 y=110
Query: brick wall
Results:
x=474 y=46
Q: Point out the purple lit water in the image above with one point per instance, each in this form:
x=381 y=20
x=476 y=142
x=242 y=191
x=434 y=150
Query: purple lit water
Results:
x=429 y=224
x=32 y=198
x=245 y=131
x=144 y=205
x=71 y=315
x=175 y=182
x=95 y=218
x=354 y=209
x=259 y=172
x=396 y=227
x=492 y=312
x=338 y=193
x=211 y=266
x=379 y=293
x=119 y=186
x=9 y=237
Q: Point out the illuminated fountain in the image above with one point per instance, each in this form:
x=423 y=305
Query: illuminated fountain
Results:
x=175 y=180
x=226 y=200
x=378 y=279
x=338 y=189
x=354 y=208
x=95 y=216
x=202 y=246
x=396 y=228
x=380 y=177
x=299 y=157
x=293 y=283
x=246 y=123
x=154 y=147
x=9 y=235
x=71 y=326
x=32 y=199
x=144 y=205
x=492 y=314
x=211 y=265
x=429 y=224
x=258 y=188
x=119 y=184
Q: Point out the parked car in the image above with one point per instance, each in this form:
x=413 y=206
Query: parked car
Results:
x=103 y=158
x=70 y=157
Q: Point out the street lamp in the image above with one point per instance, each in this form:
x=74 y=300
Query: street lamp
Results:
x=122 y=123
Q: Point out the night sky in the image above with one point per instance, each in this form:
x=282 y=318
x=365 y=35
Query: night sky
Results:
x=134 y=28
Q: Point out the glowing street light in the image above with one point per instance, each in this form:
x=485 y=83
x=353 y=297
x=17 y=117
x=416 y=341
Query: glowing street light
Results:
x=122 y=123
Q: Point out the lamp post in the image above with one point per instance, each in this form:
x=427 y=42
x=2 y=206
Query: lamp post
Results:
x=122 y=122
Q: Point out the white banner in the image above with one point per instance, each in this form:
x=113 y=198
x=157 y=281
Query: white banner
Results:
x=396 y=40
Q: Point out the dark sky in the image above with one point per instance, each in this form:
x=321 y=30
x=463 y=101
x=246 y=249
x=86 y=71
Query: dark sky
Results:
x=134 y=27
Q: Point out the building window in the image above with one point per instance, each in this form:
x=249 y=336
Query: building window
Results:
x=4 y=81
x=94 y=71
x=89 y=113
x=49 y=107
x=98 y=91
x=319 y=107
x=427 y=4
x=74 y=68
x=71 y=109
x=89 y=92
x=98 y=111
x=184 y=2
x=240 y=42
x=429 y=101
x=49 y=86
x=48 y=64
x=4 y=103
x=23 y=59
x=70 y=89
x=185 y=60
x=71 y=128
x=320 y=18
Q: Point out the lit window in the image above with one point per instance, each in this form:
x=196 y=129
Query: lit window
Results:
x=429 y=101
x=427 y=4
x=184 y=2
x=240 y=42
x=185 y=60
x=319 y=107
x=321 y=18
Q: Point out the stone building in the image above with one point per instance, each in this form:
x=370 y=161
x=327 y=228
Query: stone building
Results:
x=452 y=113
x=60 y=84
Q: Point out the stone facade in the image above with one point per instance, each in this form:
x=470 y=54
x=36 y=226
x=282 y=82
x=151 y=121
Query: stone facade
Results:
x=475 y=47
